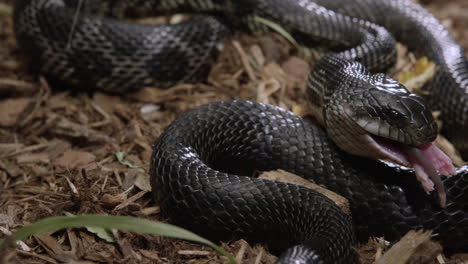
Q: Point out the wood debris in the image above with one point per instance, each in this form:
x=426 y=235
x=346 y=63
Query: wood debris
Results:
x=57 y=149
x=284 y=176
x=414 y=247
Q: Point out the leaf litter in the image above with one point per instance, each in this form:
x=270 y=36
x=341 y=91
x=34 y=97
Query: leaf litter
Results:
x=58 y=149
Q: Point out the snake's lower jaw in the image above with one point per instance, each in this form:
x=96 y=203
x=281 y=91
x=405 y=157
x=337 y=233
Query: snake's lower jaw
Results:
x=389 y=150
x=428 y=162
x=367 y=138
x=398 y=153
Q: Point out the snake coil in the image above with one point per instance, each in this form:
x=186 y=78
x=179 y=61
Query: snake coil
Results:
x=192 y=166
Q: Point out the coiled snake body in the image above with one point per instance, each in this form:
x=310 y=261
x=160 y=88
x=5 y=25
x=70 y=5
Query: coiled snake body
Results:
x=384 y=202
x=372 y=109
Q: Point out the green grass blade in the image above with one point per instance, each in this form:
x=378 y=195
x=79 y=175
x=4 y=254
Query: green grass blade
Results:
x=124 y=223
x=5 y=10
x=101 y=232
x=278 y=29
x=121 y=159
x=303 y=52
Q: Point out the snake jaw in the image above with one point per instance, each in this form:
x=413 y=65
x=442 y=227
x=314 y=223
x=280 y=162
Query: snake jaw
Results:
x=397 y=135
x=428 y=162
x=388 y=150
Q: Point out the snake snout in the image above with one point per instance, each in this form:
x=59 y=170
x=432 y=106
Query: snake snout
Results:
x=403 y=118
x=380 y=118
x=384 y=121
x=422 y=126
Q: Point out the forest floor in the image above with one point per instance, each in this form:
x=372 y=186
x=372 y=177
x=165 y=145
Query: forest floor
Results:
x=58 y=149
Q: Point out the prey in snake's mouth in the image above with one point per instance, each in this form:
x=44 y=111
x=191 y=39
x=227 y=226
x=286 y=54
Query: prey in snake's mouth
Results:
x=389 y=123
x=403 y=133
x=426 y=160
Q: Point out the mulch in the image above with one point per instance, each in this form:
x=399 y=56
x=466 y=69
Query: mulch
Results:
x=69 y=151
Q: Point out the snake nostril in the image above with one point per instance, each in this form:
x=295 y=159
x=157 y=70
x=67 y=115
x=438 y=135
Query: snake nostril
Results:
x=419 y=134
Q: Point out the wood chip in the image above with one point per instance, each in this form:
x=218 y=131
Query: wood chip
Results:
x=129 y=201
x=6 y=220
x=245 y=60
x=297 y=71
x=113 y=200
x=11 y=168
x=284 y=176
x=414 y=247
x=73 y=159
x=33 y=158
x=65 y=127
x=194 y=252
x=257 y=54
x=7 y=148
x=11 y=109
x=57 y=147
x=20 y=149
x=54 y=248
x=127 y=250
x=137 y=177
x=271 y=49
x=240 y=254
x=150 y=255
x=17 y=86
x=246 y=254
x=151 y=210
x=42 y=257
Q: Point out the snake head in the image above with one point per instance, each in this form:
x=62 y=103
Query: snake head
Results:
x=379 y=118
x=387 y=110
x=378 y=109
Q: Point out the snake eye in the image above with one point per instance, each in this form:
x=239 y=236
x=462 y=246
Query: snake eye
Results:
x=394 y=114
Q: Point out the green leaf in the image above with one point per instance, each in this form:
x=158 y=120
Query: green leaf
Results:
x=278 y=29
x=124 y=223
x=120 y=155
x=303 y=52
x=5 y=10
x=103 y=233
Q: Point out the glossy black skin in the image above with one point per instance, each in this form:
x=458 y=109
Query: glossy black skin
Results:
x=191 y=156
x=384 y=201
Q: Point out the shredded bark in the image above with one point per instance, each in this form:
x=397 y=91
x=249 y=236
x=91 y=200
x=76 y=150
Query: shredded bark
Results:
x=59 y=150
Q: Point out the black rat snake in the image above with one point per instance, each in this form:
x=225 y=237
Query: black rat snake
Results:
x=93 y=51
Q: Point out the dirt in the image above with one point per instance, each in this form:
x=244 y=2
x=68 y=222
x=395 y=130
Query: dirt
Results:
x=59 y=148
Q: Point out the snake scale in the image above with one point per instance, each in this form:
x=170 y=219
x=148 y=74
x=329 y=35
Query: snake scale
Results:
x=198 y=160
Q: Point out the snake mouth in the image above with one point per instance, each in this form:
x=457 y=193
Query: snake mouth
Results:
x=427 y=160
